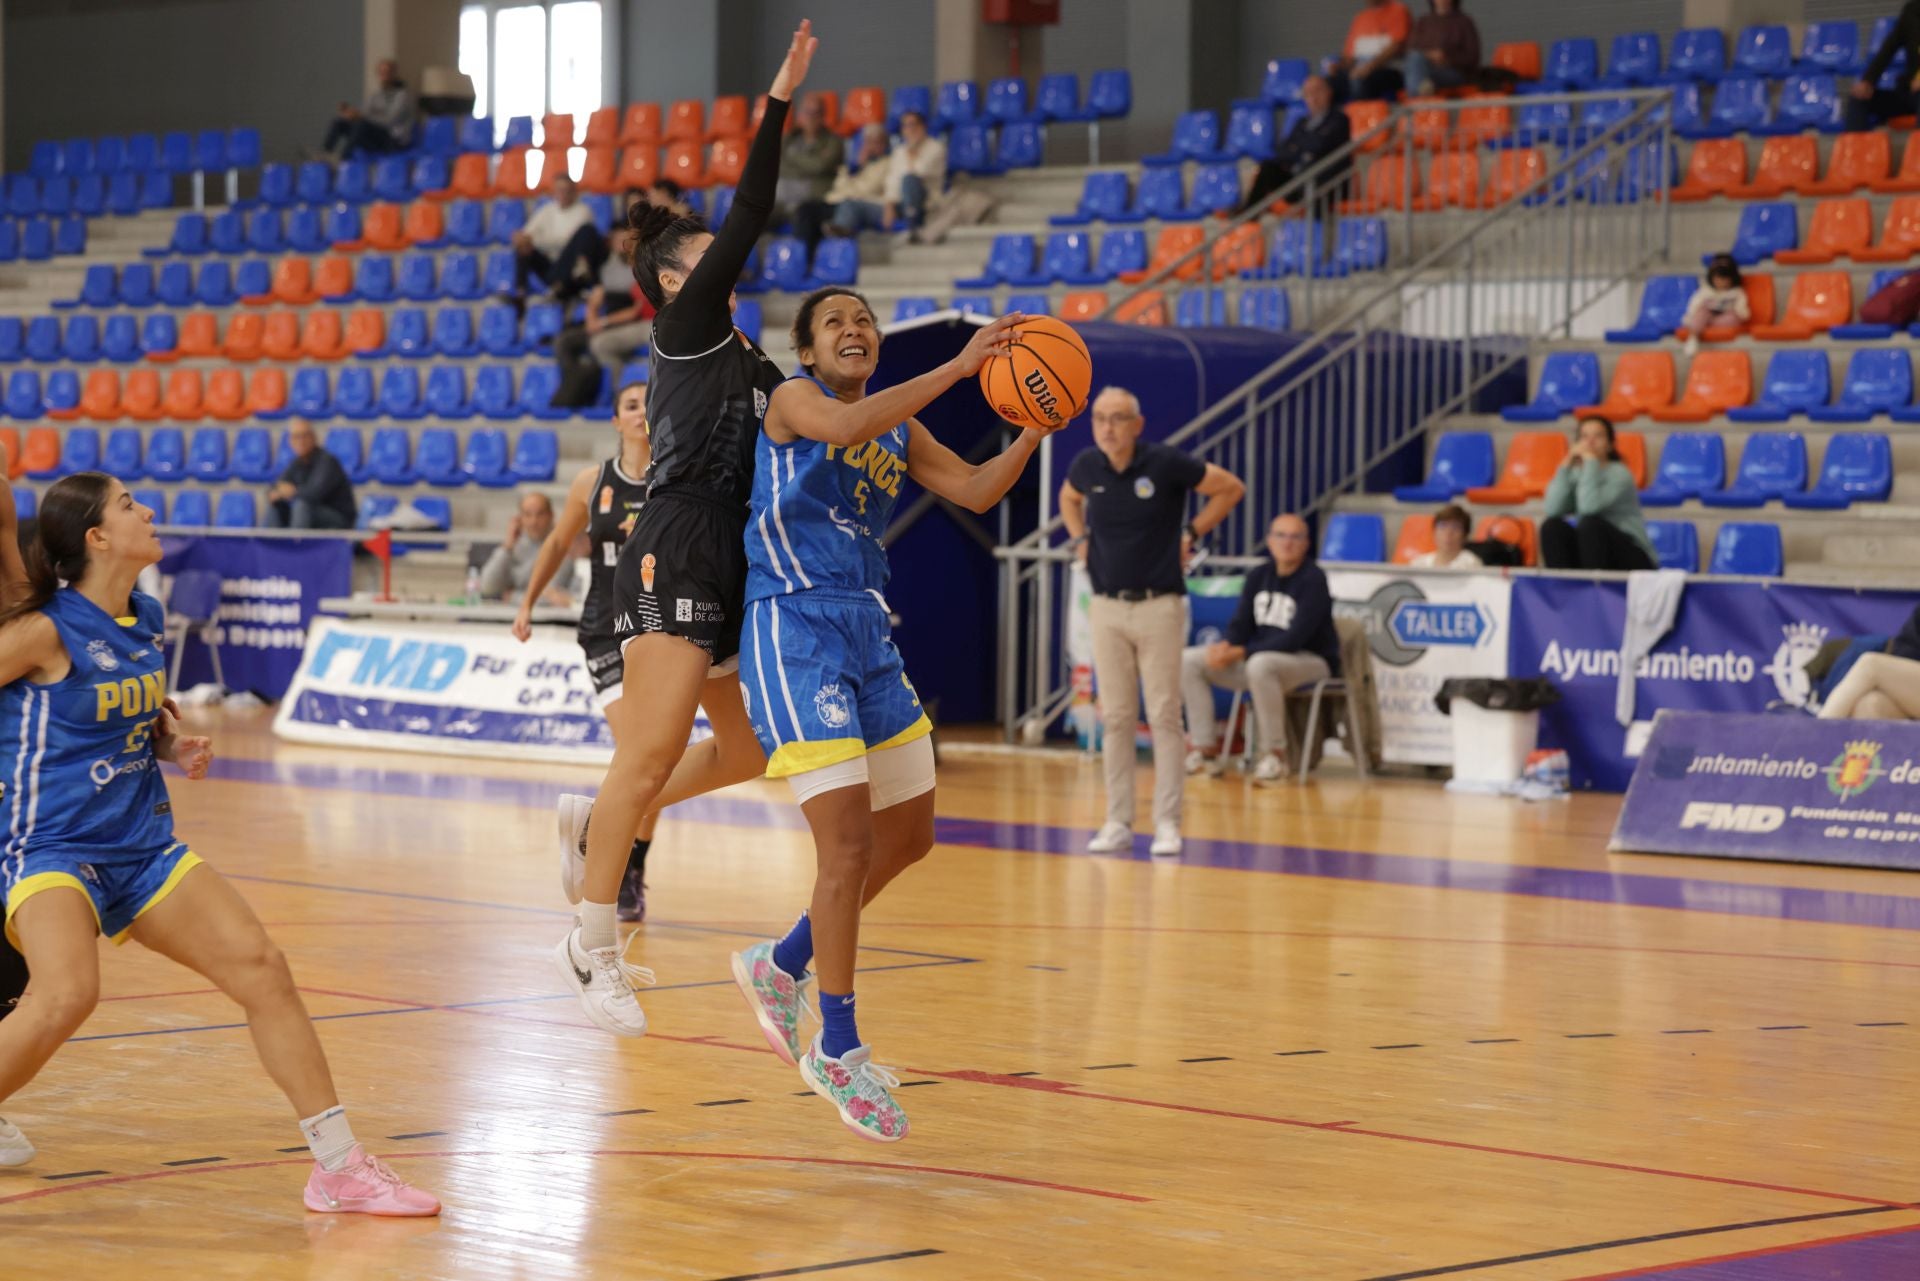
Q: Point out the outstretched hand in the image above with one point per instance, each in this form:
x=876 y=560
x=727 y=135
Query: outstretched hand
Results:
x=799 y=57
x=193 y=753
x=522 y=625
x=994 y=338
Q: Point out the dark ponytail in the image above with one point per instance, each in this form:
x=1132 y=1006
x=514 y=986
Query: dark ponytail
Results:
x=659 y=234
x=71 y=508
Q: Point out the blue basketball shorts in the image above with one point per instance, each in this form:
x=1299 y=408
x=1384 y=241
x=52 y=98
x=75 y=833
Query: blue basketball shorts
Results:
x=120 y=891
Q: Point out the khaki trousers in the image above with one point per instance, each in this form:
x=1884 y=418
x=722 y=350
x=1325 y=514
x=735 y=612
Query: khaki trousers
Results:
x=1137 y=644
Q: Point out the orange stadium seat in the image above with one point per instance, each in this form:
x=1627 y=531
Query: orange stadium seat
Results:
x=1083 y=305
x=1149 y=308
x=1760 y=297
x=726 y=160
x=1908 y=179
x=1513 y=172
x=334 y=277
x=729 y=118
x=1642 y=380
x=245 y=332
x=1521 y=57
x=1365 y=116
x=100 y=397
x=1818 y=301
x=186 y=395
x=1858 y=160
x=600 y=172
x=603 y=127
x=293 y=281
x=226 y=395
x=639 y=167
x=320 y=335
x=366 y=330
x=1786 y=164
x=1482 y=126
x=641 y=124
x=280 y=337
x=140 y=398
x=1532 y=459
x=864 y=106
x=1430 y=127
x=1716 y=165
x=510 y=179
x=10 y=445
x=1899 y=234
x=1415 y=538
x=1716 y=382
x=40 y=451
x=1633 y=452
x=381 y=228
x=199 y=339
x=1174 y=243
x=1388 y=183
x=686 y=121
x=266 y=392
x=684 y=164
x=1241 y=250
x=1839 y=227
x=425 y=223
x=556 y=131
x=1452 y=180
x=470 y=177
x=1517 y=531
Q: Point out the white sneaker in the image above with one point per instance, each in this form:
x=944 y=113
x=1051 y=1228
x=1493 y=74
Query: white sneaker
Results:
x=604 y=981
x=14 y=1148
x=1692 y=345
x=1111 y=839
x=1166 y=841
x=1271 y=769
x=575 y=811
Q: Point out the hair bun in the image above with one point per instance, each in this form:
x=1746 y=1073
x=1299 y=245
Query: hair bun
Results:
x=649 y=220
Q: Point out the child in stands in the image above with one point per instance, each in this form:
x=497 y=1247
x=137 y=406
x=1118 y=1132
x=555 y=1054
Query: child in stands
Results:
x=1718 y=307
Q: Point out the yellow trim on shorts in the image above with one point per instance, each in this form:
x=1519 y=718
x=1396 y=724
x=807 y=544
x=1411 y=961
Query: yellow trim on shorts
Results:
x=40 y=883
x=919 y=729
x=188 y=861
x=801 y=758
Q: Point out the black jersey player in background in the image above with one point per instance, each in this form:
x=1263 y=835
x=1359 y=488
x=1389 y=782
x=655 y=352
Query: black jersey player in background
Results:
x=603 y=503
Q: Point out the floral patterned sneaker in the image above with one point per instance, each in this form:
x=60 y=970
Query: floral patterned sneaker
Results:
x=858 y=1087
x=775 y=998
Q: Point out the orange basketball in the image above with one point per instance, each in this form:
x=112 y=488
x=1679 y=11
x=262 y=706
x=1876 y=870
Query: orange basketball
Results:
x=1044 y=382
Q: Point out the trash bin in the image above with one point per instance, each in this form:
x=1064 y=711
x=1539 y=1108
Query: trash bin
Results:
x=1496 y=724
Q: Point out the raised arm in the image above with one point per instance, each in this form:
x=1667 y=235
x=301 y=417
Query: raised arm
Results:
x=976 y=487
x=568 y=526
x=800 y=410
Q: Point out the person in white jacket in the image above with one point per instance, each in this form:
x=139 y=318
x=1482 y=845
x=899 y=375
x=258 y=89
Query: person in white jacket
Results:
x=916 y=175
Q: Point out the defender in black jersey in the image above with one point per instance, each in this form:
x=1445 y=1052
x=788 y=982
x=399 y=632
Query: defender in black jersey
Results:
x=603 y=502
x=680 y=585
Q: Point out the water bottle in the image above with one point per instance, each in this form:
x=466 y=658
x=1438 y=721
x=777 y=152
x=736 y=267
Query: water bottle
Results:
x=473 y=586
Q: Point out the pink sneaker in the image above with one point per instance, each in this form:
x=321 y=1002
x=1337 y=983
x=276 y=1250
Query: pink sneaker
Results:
x=366 y=1186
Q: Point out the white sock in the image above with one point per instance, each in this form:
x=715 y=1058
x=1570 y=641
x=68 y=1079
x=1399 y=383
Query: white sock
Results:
x=330 y=1136
x=597 y=926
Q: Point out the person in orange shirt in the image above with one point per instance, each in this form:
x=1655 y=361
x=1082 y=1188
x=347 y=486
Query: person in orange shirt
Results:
x=1369 y=68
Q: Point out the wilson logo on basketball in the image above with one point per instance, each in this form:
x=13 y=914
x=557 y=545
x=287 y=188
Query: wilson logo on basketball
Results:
x=1042 y=381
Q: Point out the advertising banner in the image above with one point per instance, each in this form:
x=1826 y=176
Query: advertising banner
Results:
x=270 y=590
x=1734 y=647
x=1777 y=787
x=1422 y=629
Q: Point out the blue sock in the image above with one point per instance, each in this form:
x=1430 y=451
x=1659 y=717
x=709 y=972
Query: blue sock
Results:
x=840 y=1034
x=793 y=952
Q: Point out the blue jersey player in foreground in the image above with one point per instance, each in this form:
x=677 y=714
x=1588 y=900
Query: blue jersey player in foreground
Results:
x=90 y=847
x=826 y=689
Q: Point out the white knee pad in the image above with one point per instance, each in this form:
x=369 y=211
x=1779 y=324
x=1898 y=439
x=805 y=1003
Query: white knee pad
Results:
x=828 y=778
x=901 y=773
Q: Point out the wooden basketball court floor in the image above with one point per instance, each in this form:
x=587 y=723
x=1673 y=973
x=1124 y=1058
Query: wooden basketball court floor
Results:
x=1359 y=1032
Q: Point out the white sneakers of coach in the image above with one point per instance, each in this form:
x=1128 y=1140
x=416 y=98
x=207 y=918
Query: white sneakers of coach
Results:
x=1111 y=839
x=604 y=982
x=1166 y=841
x=14 y=1148
x=574 y=813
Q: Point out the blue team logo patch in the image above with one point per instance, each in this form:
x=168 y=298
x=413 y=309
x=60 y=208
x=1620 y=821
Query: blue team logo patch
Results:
x=831 y=705
x=101 y=652
x=1143 y=488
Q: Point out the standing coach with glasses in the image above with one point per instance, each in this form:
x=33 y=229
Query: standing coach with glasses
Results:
x=1125 y=503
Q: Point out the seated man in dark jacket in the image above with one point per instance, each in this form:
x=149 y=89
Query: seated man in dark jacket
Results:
x=1870 y=104
x=1281 y=637
x=1444 y=50
x=1323 y=131
x=313 y=492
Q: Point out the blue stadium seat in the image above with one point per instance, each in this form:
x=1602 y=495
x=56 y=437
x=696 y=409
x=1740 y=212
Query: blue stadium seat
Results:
x=435 y=508
x=460 y=276
x=353 y=182
x=1266 y=307
x=1009 y=258
x=9 y=240
x=466 y=223
x=1067 y=256
x=912 y=308
x=373 y=278
x=390 y=181
x=309 y=395
x=1284 y=78
x=1763 y=50
x=1216 y=190
x=484 y=461
x=1741 y=104
x=253 y=281
x=154 y=500
x=1772 y=464
x=63 y=393
x=1120 y=251
x=439 y=136
x=313 y=183
x=970 y=150
x=189 y=237
x=90 y=195
x=213 y=287
x=957 y=103
x=342 y=226
x=1196 y=136
x=69 y=237
x=210 y=151
x=499 y=332
x=1809 y=100
x=747 y=317
x=81 y=341
x=120 y=340
x=536 y=455
x=905 y=98
x=1198 y=307
x=123 y=195
x=1110 y=93
x=453 y=333
x=1698 y=53
x=493 y=392
x=1250 y=131
x=156 y=190
x=353 y=394
x=23 y=195
x=207 y=455
x=973 y=304
x=43 y=339
x=446 y=394
x=142 y=153
x=1571 y=64
x=193 y=508
x=44 y=159
x=1033 y=304
x=98 y=288
x=1858 y=468
x=436 y=458
x=476 y=133
x=304 y=232
x=166 y=454
x=1297 y=249
x=1354 y=537
x=136 y=285
x=13 y=340
x=407 y=333
x=537 y=387
x=252 y=458
x=56 y=196
x=1103 y=197
x=498 y=276
x=276 y=186
x=545 y=319
x=1058 y=98
x=25 y=401
x=835 y=262
x=26 y=502
x=1462 y=460
x=1663 y=305
x=1833 y=47
x=1676 y=544
x=243 y=147
x=264 y=232
x=1748 y=547
x=504 y=217
x=1007 y=101
x=236 y=510
x=431 y=172
x=1879 y=381
x=1022 y=146
x=1765 y=229
x=1692 y=463
x=717 y=212
x=174 y=287
x=785 y=264
x=121 y=456
x=1161 y=193
x=1542 y=121
x=159 y=333
x=1360 y=244
x=389 y=457
x=400 y=394
x=1798 y=381
x=344 y=444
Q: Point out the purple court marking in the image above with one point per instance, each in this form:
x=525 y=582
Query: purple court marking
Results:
x=1684 y=894
x=1869 y=1257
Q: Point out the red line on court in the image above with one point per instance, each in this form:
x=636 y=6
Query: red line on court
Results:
x=152 y=996
x=1764 y=1252
x=844 y=1162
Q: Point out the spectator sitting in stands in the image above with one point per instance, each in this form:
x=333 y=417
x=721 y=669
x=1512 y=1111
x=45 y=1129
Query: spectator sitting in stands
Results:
x=1449 y=542
x=1871 y=105
x=916 y=175
x=384 y=125
x=510 y=565
x=865 y=185
x=1883 y=686
x=668 y=194
x=1444 y=50
x=1719 y=308
x=618 y=323
x=1321 y=132
x=809 y=159
x=1282 y=637
x=313 y=492
x=559 y=245
x=1365 y=72
x=1596 y=486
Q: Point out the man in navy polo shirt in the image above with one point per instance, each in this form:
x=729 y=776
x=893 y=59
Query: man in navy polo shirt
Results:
x=1125 y=501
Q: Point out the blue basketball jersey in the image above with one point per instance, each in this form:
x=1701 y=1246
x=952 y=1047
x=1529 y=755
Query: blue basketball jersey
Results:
x=80 y=777
x=818 y=511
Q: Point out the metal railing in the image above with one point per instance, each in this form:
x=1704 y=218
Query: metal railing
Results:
x=1388 y=354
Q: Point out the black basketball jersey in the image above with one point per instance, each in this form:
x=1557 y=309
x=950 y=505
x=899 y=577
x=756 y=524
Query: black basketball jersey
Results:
x=704 y=412
x=611 y=511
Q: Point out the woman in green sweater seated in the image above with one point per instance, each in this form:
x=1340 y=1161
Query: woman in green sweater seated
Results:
x=1594 y=485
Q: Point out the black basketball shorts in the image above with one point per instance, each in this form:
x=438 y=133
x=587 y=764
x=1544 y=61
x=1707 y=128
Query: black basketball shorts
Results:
x=683 y=572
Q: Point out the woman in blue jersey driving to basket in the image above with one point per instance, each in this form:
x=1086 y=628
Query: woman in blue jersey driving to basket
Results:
x=824 y=685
